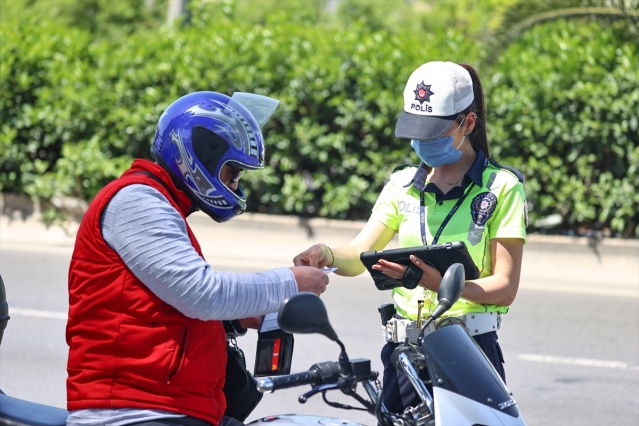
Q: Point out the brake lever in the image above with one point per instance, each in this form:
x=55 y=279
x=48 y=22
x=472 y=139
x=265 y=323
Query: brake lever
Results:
x=330 y=386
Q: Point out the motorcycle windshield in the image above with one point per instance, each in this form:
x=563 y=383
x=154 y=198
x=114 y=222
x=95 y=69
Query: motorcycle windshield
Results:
x=457 y=364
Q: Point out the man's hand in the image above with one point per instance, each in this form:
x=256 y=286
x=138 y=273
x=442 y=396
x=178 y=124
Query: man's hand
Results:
x=310 y=279
x=252 y=322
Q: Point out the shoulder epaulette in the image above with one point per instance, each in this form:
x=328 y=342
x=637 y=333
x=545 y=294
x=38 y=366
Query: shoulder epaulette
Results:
x=403 y=166
x=513 y=170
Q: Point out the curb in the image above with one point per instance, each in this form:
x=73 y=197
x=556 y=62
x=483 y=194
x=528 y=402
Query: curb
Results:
x=21 y=221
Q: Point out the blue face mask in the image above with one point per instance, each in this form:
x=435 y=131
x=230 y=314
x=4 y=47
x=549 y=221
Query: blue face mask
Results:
x=438 y=152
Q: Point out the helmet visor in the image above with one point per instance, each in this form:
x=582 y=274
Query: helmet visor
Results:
x=260 y=107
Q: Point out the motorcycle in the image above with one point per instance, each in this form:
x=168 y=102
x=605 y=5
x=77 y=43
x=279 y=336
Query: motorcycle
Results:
x=464 y=388
x=19 y=412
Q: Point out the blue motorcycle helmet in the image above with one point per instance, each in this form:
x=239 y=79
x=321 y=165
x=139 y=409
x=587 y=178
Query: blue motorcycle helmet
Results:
x=200 y=133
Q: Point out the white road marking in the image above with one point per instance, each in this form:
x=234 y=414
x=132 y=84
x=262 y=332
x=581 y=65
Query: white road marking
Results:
x=37 y=313
x=583 y=362
x=549 y=359
x=631 y=291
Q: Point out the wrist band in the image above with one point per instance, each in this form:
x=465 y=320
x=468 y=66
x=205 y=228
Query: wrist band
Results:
x=332 y=255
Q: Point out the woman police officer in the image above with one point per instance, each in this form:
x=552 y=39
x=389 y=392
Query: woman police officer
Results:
x=457 y=193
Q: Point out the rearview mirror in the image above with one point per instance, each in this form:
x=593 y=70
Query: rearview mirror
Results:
x=452 y=285
x=305 y=313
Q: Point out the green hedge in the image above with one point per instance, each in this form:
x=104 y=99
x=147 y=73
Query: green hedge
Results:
x=76 y=111
x=565 y=102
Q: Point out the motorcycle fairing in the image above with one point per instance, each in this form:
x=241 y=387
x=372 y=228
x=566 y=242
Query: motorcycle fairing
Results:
x=302 y=420
x=14 y=411
x=454 y=409
x=457 y=363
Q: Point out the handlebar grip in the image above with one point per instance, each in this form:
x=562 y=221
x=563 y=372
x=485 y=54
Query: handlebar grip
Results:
x=323 y=372
x=270 y=384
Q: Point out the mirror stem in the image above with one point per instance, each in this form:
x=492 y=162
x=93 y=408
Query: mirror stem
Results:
x=344 y=362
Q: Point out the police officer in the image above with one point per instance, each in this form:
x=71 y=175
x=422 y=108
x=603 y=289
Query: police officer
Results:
x=456 y=193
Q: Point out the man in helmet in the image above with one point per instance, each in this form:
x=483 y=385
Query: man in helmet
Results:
x=147 y=344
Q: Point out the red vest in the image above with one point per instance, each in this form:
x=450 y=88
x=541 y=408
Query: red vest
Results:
x=127 y=348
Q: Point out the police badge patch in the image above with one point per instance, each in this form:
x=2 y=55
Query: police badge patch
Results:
x=482 y=207
x=423 y=92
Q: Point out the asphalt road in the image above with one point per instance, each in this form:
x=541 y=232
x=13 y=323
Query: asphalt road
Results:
x=571 y=340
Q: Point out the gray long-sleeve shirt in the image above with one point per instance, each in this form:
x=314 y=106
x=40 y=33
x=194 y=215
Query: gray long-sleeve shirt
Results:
x=150 y=236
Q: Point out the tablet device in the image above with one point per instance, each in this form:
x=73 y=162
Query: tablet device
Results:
x=440 y=256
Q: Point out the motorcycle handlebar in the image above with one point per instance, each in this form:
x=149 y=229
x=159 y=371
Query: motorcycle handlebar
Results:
x=325 y=372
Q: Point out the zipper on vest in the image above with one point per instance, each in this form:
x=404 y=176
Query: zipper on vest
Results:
x=179 y=355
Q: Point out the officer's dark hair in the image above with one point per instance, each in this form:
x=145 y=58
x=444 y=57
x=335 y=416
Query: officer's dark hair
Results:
x=478 y=136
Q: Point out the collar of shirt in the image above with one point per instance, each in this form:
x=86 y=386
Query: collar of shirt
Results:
x=474 y=174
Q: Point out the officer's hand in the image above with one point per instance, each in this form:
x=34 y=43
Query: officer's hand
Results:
x=431 y=277
x=310 y=279
x=315 y=255
x=392 y=270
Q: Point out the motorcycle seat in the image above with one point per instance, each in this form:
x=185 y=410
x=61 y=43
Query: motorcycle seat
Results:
x=18 y=412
